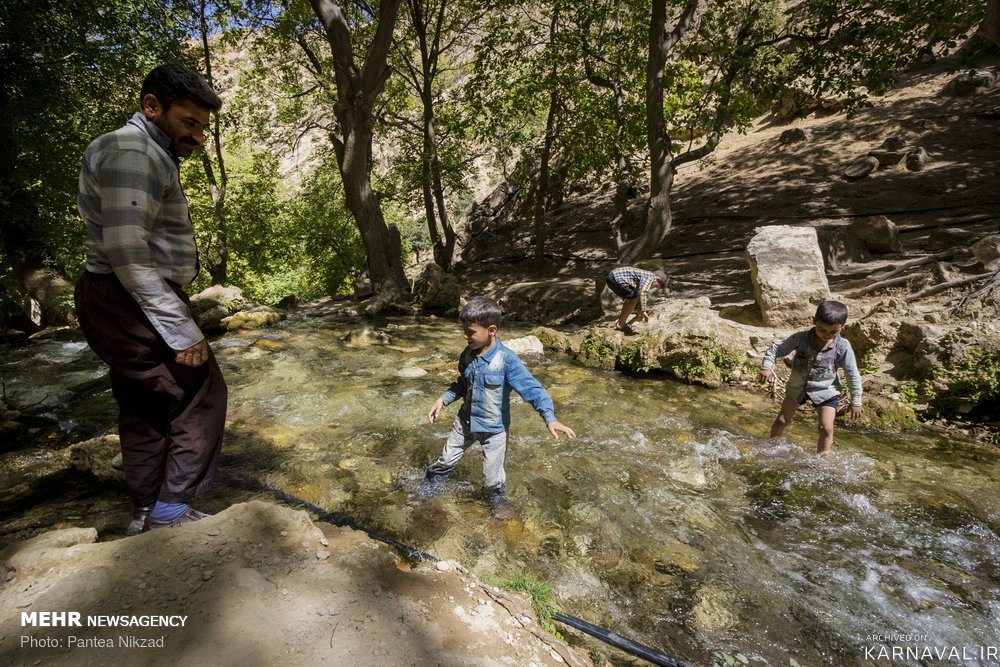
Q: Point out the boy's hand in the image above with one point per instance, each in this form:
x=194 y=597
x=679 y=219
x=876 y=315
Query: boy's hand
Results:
x=644 y=316
x=855 y=411
x=555 y=428
x=764 y=375
x=435 y=410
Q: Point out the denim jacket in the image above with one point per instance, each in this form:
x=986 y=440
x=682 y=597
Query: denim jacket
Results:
x=814 y=371
x=485 y=381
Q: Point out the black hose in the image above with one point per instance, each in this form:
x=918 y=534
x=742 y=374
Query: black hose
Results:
x=335 y=518
x=338 y=519
x=623 y=643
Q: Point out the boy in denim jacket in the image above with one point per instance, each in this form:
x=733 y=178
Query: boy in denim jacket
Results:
x=487 y=372
x=819 y=353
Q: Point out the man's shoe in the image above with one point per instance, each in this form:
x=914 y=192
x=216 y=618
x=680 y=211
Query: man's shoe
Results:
x=190 y=516
x=140 y=521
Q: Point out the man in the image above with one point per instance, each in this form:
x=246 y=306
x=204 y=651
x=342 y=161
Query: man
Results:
x=140 y=251
x=632 y=284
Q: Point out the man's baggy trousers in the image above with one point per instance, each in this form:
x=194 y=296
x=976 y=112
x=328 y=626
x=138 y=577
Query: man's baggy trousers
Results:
x=171 y=417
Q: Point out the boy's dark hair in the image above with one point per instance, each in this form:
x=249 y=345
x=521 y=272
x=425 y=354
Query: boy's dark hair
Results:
x=481 y=310
x=662 y=277
x=831 y=312
x=174 y=82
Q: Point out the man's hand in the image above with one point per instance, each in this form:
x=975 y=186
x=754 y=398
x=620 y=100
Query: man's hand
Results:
x=764 y=375
x=435 y=410
x=195 y=355
x=855 y=412
x=555 y=428
x=644 y=316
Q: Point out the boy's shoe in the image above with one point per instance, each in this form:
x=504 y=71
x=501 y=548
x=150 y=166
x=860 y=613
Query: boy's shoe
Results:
x=425 y=489
x=500 y=508
x=627 y=329
x=140 y=521
x=190 y=516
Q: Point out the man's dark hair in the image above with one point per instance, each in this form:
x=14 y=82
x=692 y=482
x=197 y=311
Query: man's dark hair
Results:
x=481 y=310
x=831 y=312
x=174 y=82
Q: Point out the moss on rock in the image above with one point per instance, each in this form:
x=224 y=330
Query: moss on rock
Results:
x=599 y=349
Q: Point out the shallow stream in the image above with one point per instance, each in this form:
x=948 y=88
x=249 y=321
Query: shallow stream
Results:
x=668 y=519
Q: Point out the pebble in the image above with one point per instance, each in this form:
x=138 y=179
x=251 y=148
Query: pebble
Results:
x=322 y=554
x=324 y=541
x=214 y=532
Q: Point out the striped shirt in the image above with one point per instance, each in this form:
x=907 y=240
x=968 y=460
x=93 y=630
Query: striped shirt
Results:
x=138 y=224
x=641 y=280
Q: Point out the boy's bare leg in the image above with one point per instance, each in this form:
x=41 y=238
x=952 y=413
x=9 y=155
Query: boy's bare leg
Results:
x=627 y=309
x=826 y=415
x=785 y=416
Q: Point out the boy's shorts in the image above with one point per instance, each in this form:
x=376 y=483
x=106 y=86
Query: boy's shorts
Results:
x=831 y=402
x=624 y=291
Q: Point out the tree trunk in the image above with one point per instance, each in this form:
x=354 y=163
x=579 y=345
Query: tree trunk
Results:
x=357 y=91
x=450 y=237
x=431 y=182
x=542 y=191
x=219 y=258
x=385 y=268
x=661 y=169
x=625 y=188
x=990 y=28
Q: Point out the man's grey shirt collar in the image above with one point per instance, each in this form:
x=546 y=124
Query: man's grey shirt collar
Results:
x=155 y=133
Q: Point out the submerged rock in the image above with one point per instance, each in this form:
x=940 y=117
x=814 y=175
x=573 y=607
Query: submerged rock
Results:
x=526 y=346
x=253 y=318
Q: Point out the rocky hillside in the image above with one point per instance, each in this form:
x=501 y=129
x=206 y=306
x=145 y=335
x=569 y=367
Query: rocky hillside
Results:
x=904 y=200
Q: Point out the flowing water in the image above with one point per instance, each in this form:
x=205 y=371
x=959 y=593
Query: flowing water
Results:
x=667 y=520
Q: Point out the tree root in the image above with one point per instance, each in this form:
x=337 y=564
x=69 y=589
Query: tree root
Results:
x=983 y=291
x=941 y=287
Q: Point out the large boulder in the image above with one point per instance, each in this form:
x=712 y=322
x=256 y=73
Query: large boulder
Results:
x=253 y=318
x=987 y=250
x=878 y=233
x=841 y=248
x=529 y=347
x=437 y=291
x=786 y=269
x=214 y=304
x=694 y=345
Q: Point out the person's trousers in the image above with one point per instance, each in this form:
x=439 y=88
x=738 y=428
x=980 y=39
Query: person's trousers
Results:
x=170 y=417
x=460 y=439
